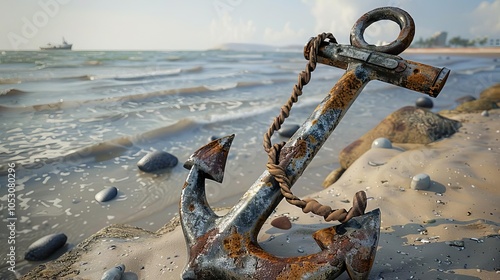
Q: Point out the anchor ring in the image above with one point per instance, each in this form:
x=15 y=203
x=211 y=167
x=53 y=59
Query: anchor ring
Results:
x=402 y=18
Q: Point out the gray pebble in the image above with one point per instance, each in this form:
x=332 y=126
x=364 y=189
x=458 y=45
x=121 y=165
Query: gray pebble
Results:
x=424 y=102
x=114 y=273
x=420 y=182
x=45 y=246
x=157 y=160
x=382 y=143
x=485 y=113
x=106 y=194
x=287 y=130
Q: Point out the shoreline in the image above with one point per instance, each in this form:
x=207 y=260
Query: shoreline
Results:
x=417 y=226
x=473 y=51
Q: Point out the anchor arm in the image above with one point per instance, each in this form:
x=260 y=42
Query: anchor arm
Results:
x=208 y=162
x=388 y=68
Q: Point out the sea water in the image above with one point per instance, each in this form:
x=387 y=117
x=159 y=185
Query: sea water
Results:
x=75 y=122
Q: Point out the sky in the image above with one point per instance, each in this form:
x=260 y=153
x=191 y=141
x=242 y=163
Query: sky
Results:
x=205 y=24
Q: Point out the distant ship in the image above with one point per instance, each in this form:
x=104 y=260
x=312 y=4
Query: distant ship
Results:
x=63 y=46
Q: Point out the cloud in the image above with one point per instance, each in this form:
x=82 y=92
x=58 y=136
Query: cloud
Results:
x=485 y=20
x=287 y=35
x=329 y=18
x=338 y=17
x=224 y=29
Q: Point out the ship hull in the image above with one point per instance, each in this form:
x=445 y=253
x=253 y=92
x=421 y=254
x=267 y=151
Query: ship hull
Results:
x=57 y=48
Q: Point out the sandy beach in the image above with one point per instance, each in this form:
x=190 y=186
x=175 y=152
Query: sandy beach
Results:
x=67 y=149
x=450 y=231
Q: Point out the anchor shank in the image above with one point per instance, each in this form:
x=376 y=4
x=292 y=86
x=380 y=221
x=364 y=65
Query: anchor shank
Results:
x=264 y=195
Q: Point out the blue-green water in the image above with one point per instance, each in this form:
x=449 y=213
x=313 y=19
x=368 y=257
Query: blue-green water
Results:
x=76 y=122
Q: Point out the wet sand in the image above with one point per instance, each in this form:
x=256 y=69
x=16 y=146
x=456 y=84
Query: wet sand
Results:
x=450 y=231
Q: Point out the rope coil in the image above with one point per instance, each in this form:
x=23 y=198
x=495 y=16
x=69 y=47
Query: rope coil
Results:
x=277 y=170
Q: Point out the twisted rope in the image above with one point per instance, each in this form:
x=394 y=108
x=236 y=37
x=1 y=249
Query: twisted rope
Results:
x=277 y=170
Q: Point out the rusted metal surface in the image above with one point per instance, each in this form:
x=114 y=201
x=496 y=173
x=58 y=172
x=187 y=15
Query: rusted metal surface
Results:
x=402 y=18
x=226 y=247
x=386 y=68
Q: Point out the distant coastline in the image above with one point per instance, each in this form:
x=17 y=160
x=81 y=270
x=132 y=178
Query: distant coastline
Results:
x=470 y=51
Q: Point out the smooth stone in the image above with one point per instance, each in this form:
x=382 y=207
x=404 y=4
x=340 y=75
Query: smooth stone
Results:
x=157 y=160
x=485 y=114
x=477 y=106
x=45 y=247
x=492 y=93
x=406 y=125
x=382 y=142
x=287 y=130
x=106 y=194
x=282 y=223
x=114 y=273
x=424 y=102
x=420 y=182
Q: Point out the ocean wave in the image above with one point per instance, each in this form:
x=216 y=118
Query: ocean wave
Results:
x=241 y=55
x=142 y=76
x=477 y=70
x=139 y=97
x=4 y=81
x=257 y=61
x=93 y=62
x=11 y=91
x=235 y=115
x=148 y=76
x=112 y=148
x=225 y=86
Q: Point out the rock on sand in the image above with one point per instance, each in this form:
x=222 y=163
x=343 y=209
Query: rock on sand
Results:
x=282 y=223
x=491 y=93
x=106 y=194
x=157 y=160
x=424 y=102
x=406 y=125
x=45 y=246
x=287 y=130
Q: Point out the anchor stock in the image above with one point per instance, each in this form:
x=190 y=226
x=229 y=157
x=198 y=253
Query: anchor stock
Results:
x=226 y=247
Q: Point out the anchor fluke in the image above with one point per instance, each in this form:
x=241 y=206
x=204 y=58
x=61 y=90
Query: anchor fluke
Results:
x=355 y=242
x=208 y=162
x=211 y=158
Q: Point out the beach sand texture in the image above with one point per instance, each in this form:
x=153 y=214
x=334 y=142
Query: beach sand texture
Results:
x=450 y=231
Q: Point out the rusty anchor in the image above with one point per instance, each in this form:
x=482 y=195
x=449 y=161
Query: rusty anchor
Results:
x=226 y=247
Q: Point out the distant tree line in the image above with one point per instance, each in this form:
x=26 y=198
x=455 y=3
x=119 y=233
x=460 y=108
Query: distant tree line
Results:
x=456 y=41
x=463 y=42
